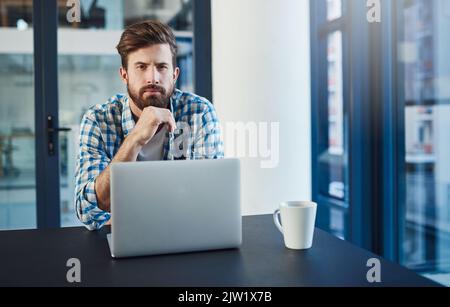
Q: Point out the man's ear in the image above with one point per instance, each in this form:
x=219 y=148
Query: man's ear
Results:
x=176 y=74
x=123 y=75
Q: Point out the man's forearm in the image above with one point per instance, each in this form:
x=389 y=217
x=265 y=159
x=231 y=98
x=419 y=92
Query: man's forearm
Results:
x=128 y=152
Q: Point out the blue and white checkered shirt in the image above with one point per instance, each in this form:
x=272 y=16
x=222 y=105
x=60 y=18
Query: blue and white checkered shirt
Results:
x=104 y=128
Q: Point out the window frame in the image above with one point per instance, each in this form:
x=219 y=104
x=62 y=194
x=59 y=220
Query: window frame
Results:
x=359 y=212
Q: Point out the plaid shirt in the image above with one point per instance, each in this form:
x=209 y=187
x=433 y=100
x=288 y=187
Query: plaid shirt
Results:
x=104 y=128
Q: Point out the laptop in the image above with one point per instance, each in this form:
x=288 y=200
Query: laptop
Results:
x=164 y=207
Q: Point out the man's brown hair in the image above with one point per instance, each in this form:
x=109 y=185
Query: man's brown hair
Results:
x=145 y=34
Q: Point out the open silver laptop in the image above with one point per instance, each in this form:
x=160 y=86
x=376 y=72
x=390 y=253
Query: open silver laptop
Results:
x=166 y=207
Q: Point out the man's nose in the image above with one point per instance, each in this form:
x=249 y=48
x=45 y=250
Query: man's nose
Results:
x=153 y=75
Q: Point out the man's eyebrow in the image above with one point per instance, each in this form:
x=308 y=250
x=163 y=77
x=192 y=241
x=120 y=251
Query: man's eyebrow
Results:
x=143 y=63
x=140 y=63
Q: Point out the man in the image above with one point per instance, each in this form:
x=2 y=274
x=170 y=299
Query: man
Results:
x=154 y=121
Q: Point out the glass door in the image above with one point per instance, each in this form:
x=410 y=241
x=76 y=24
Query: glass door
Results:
x=17 y=117
x=425 y=93
x=53 y=69
x=88 y=67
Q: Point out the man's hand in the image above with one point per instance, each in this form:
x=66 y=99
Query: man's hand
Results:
x=149 y=122
x=147 y=126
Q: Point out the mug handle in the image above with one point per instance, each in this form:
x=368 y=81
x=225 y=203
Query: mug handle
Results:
x=276 y=219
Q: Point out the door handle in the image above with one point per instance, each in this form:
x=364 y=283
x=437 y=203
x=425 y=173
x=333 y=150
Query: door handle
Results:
x=51 y=132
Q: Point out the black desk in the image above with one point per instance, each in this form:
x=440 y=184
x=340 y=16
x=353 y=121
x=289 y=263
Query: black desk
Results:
x=38 y=258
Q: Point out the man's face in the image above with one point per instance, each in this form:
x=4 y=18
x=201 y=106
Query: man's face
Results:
x=150 y=77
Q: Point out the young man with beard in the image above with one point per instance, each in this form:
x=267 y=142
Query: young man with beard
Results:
x=141 y=126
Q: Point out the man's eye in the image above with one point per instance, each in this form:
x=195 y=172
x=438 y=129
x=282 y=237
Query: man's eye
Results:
x=163 y=67
x=141 y=67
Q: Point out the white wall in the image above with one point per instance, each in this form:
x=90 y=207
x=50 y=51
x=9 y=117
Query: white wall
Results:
x=261 y=73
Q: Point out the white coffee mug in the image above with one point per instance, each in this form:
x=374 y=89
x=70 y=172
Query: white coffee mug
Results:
x=297 y=223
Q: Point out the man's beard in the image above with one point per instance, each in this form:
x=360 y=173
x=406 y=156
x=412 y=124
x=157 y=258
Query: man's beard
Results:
x=160 y=101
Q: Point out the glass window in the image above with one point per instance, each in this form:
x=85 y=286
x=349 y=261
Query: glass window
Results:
x=17 y=131
x=425 y=236
x=338 y=222
x=332 y=166
x=89 y=67
x=332 y=159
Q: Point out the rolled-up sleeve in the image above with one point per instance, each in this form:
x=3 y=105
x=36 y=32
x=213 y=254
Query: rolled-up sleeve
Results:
x=91 y=161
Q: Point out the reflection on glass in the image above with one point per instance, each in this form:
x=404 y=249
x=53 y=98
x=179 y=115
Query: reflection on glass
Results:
x=426 y=58
x=89 y=65
x=337 y=223
x=335 y=94
x=332 y=157
x=17 y=136
x=334 y=9
x=117 y=14
x=16 y=14
x=332 y=160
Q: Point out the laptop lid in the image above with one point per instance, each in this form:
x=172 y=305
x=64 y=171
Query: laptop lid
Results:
x=165 y=207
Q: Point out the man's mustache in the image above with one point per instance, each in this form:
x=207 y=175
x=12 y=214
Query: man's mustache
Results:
x=154 y=88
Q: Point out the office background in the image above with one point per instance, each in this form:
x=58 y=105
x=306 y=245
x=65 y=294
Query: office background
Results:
x=363 y=113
